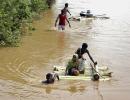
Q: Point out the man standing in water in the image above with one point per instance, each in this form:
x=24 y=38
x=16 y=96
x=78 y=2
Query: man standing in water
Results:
x=66 y=9
x=62 y=19
x=80 y=52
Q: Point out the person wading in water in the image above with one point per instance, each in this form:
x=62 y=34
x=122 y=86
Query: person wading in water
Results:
x=66 y=9
x=62 y=20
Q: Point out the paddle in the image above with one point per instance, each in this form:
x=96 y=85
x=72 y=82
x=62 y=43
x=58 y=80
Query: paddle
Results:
x=96 y=70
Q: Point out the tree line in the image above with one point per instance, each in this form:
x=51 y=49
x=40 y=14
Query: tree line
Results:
x=14 y=14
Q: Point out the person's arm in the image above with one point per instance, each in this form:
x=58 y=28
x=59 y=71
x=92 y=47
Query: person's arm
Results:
x=66 y=70
x=68 y=22
x=78 y=52
x=56 y=20
x=57 y=77
x=90 y=57
x=67 y=67
x=69 y=12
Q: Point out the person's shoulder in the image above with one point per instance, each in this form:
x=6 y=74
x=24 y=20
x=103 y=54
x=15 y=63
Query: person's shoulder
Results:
x=65 y=8
x=54 y=73
x=78 y=49
x=87 y=50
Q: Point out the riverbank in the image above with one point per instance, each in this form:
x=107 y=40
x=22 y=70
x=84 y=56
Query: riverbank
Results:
x=16 y=18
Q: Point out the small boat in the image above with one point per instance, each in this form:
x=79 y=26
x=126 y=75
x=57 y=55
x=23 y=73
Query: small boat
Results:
x=86 y=14
x=89 y=15
x=91 y=73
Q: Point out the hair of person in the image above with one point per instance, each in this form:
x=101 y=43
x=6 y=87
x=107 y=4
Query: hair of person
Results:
x=84 y=45
x=62 y=11
x=48 y=76
x=75 y=56
x=66 y=4
x=88 y=11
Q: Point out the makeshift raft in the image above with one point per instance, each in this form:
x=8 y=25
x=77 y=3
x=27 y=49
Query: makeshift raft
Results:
x=103 y=73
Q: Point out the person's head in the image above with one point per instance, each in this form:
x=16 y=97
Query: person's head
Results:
x=66 y=4
x=96 y=77
x=75 y=57
x=84 y=45
x=88 y=11
x=75 y=72
x=48 y=77
x=62 y=11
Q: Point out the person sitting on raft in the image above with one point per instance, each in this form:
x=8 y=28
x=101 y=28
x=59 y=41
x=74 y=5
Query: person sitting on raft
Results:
x=89 y=14
x=72 y=66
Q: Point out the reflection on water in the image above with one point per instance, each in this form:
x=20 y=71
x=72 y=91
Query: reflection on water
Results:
x=75 y=87
x=22 y=68
x=48 y=89
x=96 y=88
x=72 y=87
x=61 y=41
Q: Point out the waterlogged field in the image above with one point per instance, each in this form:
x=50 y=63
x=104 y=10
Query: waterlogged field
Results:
x=23 y=68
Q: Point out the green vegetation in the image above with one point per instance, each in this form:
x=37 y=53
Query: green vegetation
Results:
x=14 y=16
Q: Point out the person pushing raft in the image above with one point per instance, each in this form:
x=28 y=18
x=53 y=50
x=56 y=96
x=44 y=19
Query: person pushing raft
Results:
x=80 y=52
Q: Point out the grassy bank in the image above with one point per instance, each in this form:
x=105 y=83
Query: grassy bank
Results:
x=15 y=15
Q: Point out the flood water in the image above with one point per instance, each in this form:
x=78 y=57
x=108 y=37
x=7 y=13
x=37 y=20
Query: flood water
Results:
x=23 y=68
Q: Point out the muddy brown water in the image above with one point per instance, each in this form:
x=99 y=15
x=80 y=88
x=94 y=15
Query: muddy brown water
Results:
x=23 y=68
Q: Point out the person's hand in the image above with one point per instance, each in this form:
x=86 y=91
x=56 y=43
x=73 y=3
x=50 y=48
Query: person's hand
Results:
x=55 y=25
x=69 y=25
x=95 y=63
